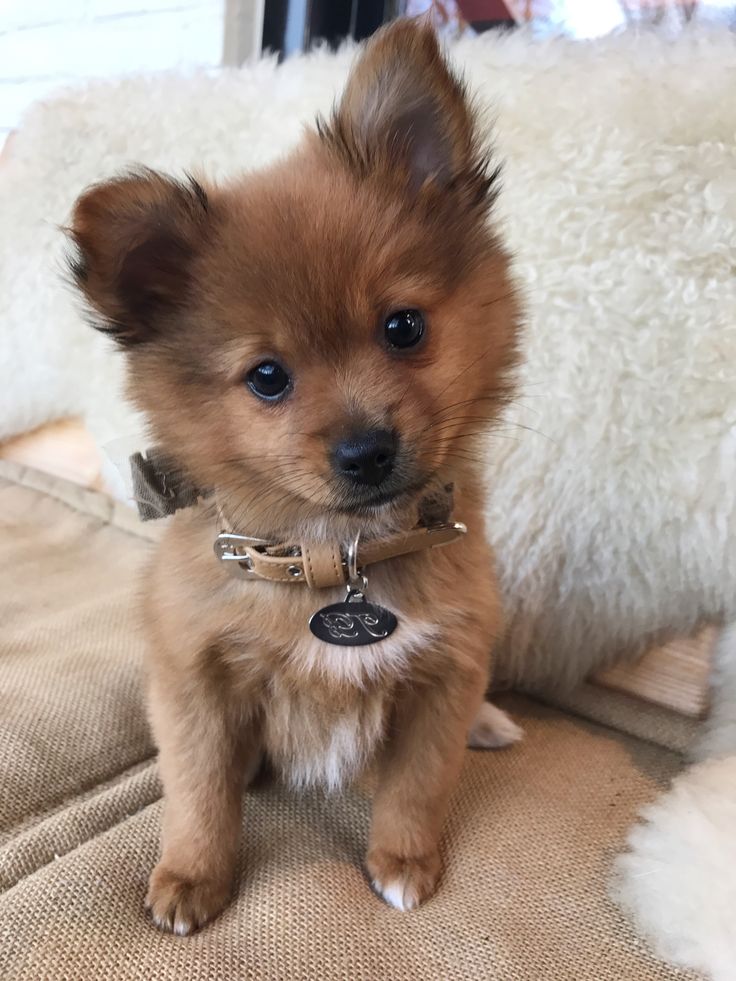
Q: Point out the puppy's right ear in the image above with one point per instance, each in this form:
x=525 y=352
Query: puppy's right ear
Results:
x=404 y=112
x=136 y=240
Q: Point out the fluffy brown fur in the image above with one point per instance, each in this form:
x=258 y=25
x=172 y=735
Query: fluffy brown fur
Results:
x=382 y=208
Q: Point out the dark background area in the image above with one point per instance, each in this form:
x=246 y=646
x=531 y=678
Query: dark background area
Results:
x=333 y=21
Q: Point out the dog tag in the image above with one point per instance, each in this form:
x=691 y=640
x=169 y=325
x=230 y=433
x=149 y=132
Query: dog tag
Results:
x=353 y=622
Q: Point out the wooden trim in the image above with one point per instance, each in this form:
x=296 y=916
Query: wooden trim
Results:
x=675 y=675
x=64 y=449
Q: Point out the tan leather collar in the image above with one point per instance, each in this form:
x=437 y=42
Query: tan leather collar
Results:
x=331 y=563
x=325 y=564
x=161 y=488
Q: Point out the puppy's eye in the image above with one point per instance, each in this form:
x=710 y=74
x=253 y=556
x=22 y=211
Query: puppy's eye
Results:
x=404 y=328
x=268 y=380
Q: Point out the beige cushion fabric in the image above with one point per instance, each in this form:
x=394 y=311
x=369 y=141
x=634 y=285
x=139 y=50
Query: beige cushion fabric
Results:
x=70 y=712
x=528 y=846
x=619 y=710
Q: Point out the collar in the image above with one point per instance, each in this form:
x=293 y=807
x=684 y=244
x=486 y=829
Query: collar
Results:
x=324 y=564
x=160 y=489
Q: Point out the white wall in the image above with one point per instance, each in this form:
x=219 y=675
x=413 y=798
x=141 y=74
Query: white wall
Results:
x=47 y=43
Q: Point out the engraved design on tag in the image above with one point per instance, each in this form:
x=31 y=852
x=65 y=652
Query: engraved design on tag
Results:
x=353 y=623
x=343 y=625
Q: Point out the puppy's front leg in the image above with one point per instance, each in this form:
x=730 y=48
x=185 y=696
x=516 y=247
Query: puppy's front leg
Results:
x=202 y=758
x=419 y=772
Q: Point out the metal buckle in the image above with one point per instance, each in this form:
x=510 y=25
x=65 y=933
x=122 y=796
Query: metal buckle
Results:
x=226 y=549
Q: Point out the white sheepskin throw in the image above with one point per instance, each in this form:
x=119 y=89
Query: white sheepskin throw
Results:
x=612 y=485
x=678 y=881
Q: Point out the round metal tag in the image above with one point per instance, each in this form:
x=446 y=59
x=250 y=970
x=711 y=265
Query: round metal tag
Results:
x=353 y=623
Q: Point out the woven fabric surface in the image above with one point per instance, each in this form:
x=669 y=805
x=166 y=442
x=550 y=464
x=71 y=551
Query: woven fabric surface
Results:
x=79 y=818
x=624 y=712
x=529 y=843
x=70 y=656
x=528 y=847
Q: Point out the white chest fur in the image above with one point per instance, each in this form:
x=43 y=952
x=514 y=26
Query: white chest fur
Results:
x=327 y=730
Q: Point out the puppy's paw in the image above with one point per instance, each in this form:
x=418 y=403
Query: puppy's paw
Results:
x=181 y=905
x=493 y=728
x=403 y=882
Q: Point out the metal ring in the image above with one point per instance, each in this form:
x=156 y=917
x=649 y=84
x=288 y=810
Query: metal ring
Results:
x=353 y=573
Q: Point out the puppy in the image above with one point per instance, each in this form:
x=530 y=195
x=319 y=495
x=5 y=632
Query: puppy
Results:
x=320 y=346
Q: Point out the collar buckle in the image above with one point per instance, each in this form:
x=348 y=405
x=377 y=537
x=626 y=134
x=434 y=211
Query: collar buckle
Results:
x=233 y=549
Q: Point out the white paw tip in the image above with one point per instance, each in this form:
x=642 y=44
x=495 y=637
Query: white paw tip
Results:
x=396 y=895
x=182 y=929
x=493 y=729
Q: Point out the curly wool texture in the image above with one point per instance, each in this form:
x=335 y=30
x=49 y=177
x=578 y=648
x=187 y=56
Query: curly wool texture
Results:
x=677 y=880
x=618 y=523
x=613 y=513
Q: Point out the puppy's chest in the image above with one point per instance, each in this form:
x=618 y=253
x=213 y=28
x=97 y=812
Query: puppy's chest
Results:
x=327 y=707
x=317 y=738
x=273 y=620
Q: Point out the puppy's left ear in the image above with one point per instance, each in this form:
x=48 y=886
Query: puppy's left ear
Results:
x=404 y=111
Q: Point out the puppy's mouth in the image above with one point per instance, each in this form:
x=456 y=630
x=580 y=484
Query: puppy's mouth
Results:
x=370 y=500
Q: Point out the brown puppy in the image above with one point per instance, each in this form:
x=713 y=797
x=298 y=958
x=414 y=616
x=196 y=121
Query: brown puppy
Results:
x=320 y=344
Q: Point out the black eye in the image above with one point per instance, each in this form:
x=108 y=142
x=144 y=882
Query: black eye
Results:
x=268 y=381
x=404 y=328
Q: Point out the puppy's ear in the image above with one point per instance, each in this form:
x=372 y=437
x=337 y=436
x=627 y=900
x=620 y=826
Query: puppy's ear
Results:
x=136 y=238
x=404 y=109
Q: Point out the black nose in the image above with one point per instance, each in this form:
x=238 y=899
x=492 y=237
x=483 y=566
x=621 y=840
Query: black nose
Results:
x=367 y=458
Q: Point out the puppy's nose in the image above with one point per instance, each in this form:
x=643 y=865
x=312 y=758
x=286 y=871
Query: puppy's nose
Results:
x=367 y=458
